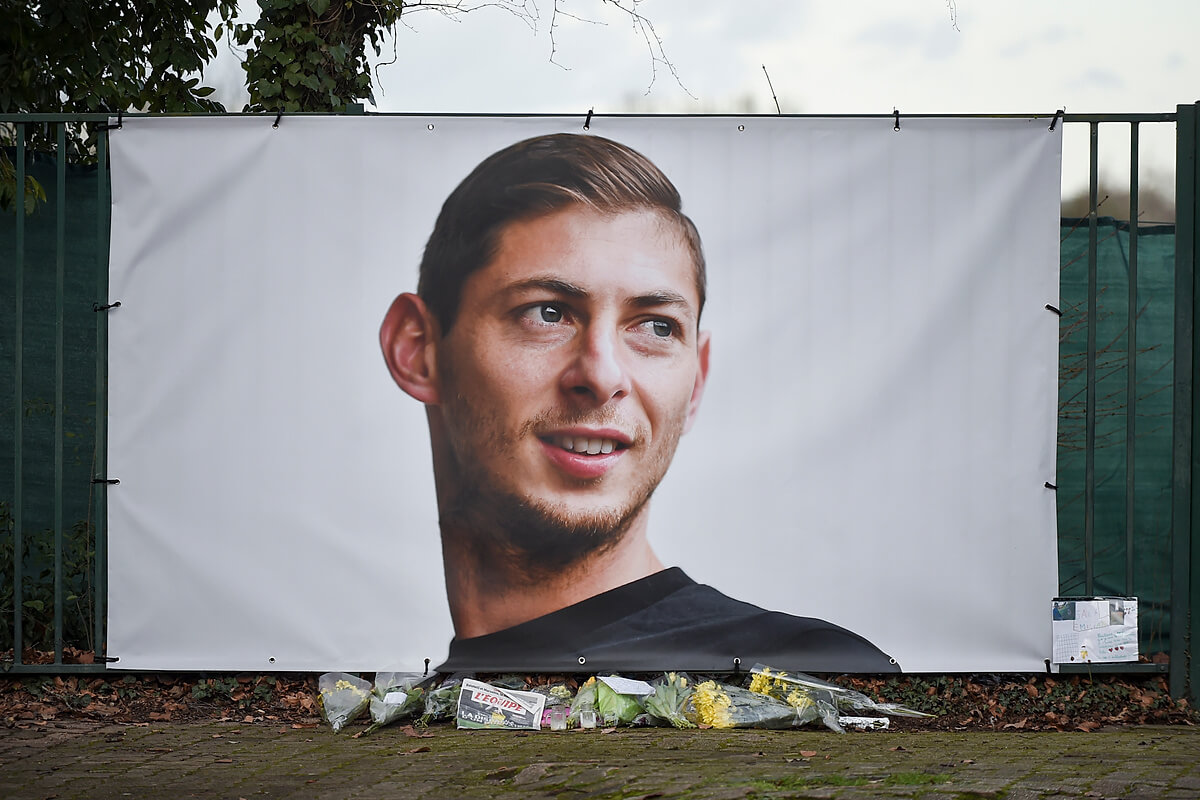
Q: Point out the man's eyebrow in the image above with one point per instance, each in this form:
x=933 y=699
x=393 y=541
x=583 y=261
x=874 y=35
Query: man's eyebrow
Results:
x=661 y=297
x=554 y=285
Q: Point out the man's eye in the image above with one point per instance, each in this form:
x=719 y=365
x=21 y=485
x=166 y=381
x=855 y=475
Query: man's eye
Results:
x=662 y=328
x=544 y=313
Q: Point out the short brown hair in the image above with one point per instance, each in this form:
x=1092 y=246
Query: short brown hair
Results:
x=532 y=178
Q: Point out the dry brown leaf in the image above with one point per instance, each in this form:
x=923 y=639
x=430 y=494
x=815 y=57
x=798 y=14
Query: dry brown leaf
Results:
x=412 y=732
x=422 y=749
x=808 y=753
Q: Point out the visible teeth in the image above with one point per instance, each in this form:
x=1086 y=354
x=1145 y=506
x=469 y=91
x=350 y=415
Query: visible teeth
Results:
x=584 y=444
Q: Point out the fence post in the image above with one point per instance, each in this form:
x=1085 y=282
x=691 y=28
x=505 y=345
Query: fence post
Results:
x=1185 y=543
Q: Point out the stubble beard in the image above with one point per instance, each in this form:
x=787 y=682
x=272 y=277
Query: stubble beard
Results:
x=522 y=539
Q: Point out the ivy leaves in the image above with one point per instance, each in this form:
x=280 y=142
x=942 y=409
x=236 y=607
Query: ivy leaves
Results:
x=310 y=55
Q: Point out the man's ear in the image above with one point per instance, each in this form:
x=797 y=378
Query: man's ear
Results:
x=701 y=378
x=408 y=336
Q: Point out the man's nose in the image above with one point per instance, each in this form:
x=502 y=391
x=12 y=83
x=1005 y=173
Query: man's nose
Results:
x=597 y=371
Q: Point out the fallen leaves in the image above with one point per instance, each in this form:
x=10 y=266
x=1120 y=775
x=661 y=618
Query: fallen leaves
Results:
x=410 y=731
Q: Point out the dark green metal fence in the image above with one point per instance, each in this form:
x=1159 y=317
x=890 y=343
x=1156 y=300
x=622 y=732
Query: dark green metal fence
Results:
x=53 y=356
x=1128 y=511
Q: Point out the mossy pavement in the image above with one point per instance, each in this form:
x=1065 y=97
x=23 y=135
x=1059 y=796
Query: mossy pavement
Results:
x=81 y=759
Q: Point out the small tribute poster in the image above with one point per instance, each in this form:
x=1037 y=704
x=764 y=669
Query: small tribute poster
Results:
x=1095 y=629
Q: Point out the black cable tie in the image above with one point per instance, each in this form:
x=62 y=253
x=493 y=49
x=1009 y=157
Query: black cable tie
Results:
x=109 y=481
x=1048 y=672
x=1051 y=486
x=426 y=667
x=587 y=123
x=108 y=659
x=737 y=666
x=1052 y=308
x=896 y=116
x=1057 y=116
x=106 y=306
x=109 y=126
x=278 y=116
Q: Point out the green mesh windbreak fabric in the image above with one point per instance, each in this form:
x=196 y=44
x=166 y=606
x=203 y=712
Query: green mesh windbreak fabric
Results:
x=1152 y=398
x=37 y=411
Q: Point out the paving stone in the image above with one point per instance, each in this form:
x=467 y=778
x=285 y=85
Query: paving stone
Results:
x=191 y=759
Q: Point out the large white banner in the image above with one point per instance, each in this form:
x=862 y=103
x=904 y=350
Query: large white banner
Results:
x=873 y=448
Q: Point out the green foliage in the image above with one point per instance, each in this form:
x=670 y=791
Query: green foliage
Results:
x=83 y=56
x=37 y=586
x=311 y=55
x=219 y=689
x=33 y=194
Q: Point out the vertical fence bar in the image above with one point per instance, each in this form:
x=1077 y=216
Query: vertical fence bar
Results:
x=1185 y=505
x=1185 y=539
x=1131 y=362
x=60 y=247
x=18 y=395
x=1089 y=458
x=100 y=467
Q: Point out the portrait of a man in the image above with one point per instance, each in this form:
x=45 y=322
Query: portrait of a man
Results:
x=555 y=341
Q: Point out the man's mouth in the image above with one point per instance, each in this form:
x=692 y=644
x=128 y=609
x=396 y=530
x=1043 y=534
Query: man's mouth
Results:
x=588 y=445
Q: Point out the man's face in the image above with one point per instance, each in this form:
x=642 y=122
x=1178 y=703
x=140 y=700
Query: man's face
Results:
x=573 y=367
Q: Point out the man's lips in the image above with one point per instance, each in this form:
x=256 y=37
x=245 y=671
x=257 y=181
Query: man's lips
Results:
x=591 y=444
x=585 y=454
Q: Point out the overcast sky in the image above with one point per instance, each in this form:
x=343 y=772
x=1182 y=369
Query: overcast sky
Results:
x=823 y=57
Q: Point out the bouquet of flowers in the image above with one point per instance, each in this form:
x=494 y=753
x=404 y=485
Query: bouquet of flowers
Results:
x=720 y=705
x=616 y=707
x=342 y=697
x=396 y=695
x=812 y=697
x=585 y=701
x=666 y=704
x=442 y=702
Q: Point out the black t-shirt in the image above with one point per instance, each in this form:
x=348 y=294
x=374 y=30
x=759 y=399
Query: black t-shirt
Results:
x=666 y=621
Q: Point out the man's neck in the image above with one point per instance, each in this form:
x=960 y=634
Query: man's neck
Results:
x=487 y=594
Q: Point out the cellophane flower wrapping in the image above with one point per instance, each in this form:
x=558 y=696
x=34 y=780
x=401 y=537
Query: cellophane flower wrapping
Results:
x=585 y=699
x=720 y=705
x=395 y=696
x=665 y=706
x=615 y=707
x=813 y=697
x=342 y=697
x=442 y=703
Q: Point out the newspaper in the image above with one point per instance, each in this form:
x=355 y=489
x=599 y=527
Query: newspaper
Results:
x=481 y=705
